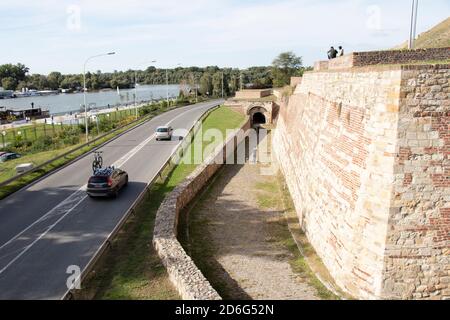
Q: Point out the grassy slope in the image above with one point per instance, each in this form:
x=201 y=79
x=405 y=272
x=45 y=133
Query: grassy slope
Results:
x=132 y=269
x=437 y=37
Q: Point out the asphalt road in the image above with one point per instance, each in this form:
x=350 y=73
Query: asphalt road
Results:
x=52 y=224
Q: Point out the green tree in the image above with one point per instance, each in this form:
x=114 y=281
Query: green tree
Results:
x=285 y=66
x=9 y=83
x=54 y=80
x=206 y=85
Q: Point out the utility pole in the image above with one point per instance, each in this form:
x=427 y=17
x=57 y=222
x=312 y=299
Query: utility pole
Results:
x=167 y=86
x=86 y=122
x=222 y=86
x=413 y=29
x=135 y=88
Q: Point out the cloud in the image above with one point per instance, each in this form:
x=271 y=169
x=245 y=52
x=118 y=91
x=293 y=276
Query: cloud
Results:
x=201 y=31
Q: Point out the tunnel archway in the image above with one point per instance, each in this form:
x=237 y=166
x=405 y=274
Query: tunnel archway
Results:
x=259 y=118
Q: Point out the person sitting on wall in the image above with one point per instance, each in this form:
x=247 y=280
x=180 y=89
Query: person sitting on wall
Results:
x=332 y=53
x=340 y=51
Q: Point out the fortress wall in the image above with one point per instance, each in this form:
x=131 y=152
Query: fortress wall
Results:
x=365 y=155
x=334 y=142
x=418 y=243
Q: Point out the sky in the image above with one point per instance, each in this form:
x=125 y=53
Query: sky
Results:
x=58 y=35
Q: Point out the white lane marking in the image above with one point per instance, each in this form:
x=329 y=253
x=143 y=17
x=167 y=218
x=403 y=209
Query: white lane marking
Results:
x=75 y=195
x=41 y=236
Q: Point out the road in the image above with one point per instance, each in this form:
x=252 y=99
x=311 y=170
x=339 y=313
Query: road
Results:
x=52 y=225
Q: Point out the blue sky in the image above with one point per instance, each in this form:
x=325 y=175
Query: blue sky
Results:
x=49 y=35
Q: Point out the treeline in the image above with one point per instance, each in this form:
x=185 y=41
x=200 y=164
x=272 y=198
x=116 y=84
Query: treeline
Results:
x=209 y=80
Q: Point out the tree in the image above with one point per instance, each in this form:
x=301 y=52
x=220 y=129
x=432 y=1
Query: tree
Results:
x=285 y=66
x=206 y=85
x=9 y=83
x=54 y=80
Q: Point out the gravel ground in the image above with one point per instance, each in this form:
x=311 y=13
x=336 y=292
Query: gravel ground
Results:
x=240 y=215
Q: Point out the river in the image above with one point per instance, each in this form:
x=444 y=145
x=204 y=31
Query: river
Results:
x=72 y=102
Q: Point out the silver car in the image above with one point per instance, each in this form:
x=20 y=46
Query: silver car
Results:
x=164 y=133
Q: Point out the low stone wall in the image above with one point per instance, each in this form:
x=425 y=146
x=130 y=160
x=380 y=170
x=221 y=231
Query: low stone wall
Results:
x=183 y=273
x=253 y=94
x=370 y=58
x=399 y=56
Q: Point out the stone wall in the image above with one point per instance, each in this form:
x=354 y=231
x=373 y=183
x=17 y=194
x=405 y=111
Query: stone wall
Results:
x=417 y=262
x=338 y=142
x=253 y=94
x=400 y=56
x=370 y=58
x=183 y=273
x=295 y=81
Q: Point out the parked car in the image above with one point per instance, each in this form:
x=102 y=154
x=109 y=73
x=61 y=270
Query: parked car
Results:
x=9 y=156
x=107 y=183
x=164 y=133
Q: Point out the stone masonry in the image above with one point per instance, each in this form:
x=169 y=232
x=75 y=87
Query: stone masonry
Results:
x=183 y=273
x=361 y=59
x=365 y=153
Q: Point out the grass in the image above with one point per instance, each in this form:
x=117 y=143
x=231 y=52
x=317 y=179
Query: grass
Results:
x=437 y=37
x=268 y=196
x=132 y=269
x=308 y=262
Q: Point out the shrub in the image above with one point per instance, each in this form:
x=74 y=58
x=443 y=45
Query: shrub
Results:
x=43 y=143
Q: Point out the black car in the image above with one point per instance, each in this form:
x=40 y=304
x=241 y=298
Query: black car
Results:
x=107 y=182
x=9 y=156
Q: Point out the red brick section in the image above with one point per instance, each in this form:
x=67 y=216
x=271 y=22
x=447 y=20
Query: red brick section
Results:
x=399 y=56
x=339 y=144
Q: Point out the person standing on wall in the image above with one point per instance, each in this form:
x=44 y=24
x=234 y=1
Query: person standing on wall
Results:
x=340 y=51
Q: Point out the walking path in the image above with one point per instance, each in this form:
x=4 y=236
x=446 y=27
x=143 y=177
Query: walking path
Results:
x=241 y=219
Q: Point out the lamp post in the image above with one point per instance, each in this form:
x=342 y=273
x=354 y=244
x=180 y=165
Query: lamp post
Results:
x=135 y=88
x=167 y=84
x=85 y=89
x=412 y=32
x=222 y=86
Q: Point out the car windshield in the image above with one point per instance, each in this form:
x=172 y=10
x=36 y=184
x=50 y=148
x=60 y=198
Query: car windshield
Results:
x=163 y=130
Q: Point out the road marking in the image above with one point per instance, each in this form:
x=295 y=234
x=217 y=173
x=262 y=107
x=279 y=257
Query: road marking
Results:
x=61 y=207
x=42 y=235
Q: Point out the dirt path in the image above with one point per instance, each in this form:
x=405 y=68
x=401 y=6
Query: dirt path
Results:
x=240 y=240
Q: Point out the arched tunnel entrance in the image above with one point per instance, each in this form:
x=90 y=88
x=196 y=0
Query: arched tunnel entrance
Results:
x=259 y=118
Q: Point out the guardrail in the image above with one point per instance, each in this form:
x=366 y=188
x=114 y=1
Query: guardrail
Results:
x=107 y=243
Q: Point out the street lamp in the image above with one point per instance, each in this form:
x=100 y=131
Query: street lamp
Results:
x=412 y=32
x=85 y=89
x=167 y=84
x=135 y=88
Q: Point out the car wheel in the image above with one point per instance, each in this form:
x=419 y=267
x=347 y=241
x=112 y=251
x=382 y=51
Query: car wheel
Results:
x=115 y=193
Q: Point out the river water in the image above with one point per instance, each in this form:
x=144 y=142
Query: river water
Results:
x=73 y=102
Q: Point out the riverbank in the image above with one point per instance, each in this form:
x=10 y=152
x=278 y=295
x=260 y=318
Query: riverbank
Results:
x=62 y=104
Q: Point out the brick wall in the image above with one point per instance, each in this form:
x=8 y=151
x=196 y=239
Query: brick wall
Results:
x=399 y=56
x=418 y=243
x=370 y=58
x=253 y=94
x=338 y=142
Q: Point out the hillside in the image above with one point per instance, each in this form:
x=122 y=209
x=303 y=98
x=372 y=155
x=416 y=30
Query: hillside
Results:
x=437 y=37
